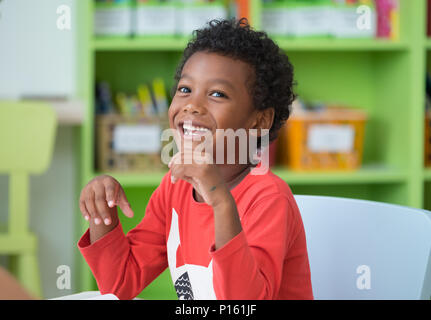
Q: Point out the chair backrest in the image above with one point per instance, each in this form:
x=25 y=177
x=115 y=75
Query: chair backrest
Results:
x=27 y=134
x=362 y=249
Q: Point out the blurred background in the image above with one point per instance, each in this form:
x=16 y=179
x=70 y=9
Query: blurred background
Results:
x=359 y=128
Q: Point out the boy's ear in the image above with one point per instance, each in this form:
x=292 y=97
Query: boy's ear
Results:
x=264 y=119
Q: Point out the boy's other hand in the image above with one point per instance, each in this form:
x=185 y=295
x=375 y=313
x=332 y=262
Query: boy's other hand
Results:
x=99 y=200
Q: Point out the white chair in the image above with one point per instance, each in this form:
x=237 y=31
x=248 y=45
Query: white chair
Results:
x=366 y=250
x=88 y=295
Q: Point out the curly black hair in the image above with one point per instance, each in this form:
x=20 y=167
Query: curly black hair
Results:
x=273 y=84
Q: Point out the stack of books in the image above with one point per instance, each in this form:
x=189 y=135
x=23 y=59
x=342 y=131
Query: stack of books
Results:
x=149 y=100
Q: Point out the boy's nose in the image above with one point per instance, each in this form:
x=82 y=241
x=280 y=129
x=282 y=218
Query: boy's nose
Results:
x=193 y=108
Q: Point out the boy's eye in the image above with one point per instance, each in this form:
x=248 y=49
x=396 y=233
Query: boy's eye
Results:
x=218 y=94
x=183 y=89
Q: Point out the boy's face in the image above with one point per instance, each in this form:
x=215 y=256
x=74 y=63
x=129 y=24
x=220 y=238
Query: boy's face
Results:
x=213 y=93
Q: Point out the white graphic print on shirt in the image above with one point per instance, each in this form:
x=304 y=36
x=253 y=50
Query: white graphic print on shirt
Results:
x=190 y=281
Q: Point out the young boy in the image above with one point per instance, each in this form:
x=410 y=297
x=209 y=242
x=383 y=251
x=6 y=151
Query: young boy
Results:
x=223 y=232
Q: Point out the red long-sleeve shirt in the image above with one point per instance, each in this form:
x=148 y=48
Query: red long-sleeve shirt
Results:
x=266 y=260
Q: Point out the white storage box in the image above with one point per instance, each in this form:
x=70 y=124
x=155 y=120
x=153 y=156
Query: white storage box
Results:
x=195 y=15
x=275 y=19
x=319 y=19
x=308 y=21
x=352 y=21
x=155 y=17
x=113 y=18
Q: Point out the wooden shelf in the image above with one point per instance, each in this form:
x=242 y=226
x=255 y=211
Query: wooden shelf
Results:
x=370 y=174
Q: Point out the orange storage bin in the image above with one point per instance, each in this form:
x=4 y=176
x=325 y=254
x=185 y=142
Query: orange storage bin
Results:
x=329 y=139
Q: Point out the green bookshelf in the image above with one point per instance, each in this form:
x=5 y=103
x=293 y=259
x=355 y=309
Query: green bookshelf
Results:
x=179 y=43
x=384 y=78
x=339 y=44
x=140 y=44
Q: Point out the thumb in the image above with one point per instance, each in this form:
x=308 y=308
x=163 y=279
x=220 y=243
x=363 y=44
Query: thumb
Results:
x=124 y=204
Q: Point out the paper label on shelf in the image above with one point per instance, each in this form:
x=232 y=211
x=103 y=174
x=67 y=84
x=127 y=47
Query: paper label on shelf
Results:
x=350 y=23
x=330 y=138
x=155 y=20
x=137 y=138
x=113 y=21
x=309 y=21
x=194 y=17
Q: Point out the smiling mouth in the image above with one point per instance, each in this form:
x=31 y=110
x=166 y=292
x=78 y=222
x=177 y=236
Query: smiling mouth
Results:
x=189 y=131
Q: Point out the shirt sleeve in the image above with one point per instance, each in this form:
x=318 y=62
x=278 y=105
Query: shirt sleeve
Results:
x=250 y=266
x=125 y=264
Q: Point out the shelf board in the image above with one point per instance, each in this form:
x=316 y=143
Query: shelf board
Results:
x=427 y=174
x=175 y=43
x=369 y=174
x=69 y=112
x=138 y=179
x=166 y=43
x=366 y=175
x=339 y=44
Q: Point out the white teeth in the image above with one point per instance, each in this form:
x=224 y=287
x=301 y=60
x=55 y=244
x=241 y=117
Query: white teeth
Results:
x=188 y=129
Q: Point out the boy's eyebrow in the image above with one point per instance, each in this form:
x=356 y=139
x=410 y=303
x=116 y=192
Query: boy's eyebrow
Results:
x=216 y=80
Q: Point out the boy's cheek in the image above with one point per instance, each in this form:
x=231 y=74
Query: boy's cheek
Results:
x=172 y=111
x=171 y=118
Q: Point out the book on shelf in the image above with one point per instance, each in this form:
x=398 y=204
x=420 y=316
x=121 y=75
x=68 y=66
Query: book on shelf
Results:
x=149 y=100
x=366 y=19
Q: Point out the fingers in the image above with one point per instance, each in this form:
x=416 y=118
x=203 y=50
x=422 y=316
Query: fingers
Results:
x=84 y=210
x=103 y=212
x=177 y=172
x=179 y=168
x=91 y=206
x=115 y=195
x=99 y=199
x=111 y=191
x=123 y=203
